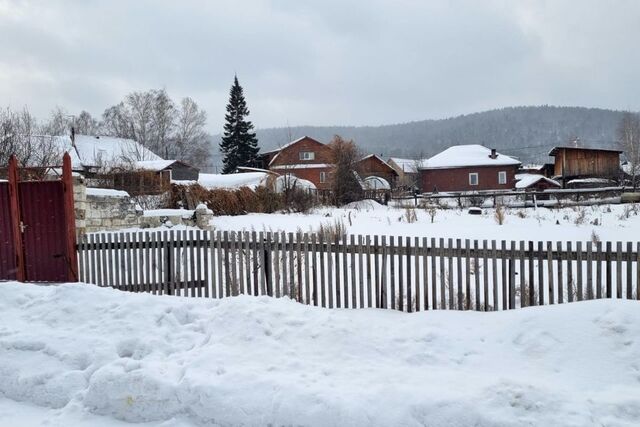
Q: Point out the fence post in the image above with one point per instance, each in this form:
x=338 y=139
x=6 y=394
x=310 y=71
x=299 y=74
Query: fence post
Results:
x=70 y=219
x=15 y=218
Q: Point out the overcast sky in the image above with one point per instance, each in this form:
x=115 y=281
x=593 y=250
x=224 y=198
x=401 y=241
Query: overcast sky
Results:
x=331 y=63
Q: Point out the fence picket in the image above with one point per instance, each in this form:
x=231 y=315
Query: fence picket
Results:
x=629 y=262
x=485 y=276
x=416 y=280
x=450 y=282
x=329 y=272
x=494 y=275
x=400 y=298
x=370 y=286
x=434 y=275
x=579 y=290
x=314 y=271
x=618 y=269
x=609 y=277
x=599 y=259
x=467 y=274
x=443 y=275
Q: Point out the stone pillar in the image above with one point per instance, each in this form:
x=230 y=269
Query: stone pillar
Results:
x=80 y=203
x=204 y=215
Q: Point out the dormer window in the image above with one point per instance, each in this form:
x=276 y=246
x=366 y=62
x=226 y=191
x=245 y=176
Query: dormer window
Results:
x=307 y=155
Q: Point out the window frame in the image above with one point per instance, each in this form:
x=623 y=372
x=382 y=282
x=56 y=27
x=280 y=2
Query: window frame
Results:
x=323 y=177
x=302 y=155
x=477 y=179
x=502 y=174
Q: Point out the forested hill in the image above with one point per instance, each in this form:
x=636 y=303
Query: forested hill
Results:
x=526 y=132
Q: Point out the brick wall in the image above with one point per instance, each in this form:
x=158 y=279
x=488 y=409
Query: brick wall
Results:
x=457 y=179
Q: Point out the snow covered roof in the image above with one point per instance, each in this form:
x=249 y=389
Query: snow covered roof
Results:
x=229 y=181
x=286 y=145
x=154 y=165
x=526 y=180
x=406 y=165
x=460 y=156
x=92 y=151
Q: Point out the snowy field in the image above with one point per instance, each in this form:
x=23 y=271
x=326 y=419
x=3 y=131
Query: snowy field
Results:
x=81 y=355
x=608 y=222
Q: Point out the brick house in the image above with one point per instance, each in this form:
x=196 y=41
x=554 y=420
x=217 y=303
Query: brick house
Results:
x=468 y=168
x=304 y=158
x=373 y=166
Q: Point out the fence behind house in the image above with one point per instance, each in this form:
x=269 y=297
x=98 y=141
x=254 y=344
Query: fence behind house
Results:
x=404 y=273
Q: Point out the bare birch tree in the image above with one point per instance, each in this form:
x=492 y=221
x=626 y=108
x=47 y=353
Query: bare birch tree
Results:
x=629 y=141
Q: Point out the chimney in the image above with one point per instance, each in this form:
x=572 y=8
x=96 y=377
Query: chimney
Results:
x=493 y=154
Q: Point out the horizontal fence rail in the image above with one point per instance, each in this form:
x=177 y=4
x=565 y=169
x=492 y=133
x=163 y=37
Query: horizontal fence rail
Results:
x=402 y=273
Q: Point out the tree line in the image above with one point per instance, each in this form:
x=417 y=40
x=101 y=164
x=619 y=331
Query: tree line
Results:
x=171 y=129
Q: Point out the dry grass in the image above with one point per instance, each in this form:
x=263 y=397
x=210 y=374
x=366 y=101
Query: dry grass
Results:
x=410 y=215
x=499 y=215
x=333 y=230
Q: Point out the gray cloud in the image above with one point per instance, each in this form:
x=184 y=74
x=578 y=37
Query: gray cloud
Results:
x=330 y=62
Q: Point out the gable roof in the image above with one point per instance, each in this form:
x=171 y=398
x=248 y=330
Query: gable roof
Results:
x=292 y=143
x=378 y=158
x=405 y=165
x=460 y=156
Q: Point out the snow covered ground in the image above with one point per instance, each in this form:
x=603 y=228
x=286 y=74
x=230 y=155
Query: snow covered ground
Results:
x=82 y=355
x=608 y=222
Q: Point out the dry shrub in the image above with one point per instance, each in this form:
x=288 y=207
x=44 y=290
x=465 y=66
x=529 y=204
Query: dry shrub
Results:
x=594 y=237
x=226 y=202
x=300 y=200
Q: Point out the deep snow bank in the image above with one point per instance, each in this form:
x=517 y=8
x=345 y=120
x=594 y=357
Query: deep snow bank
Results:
x=255 y=361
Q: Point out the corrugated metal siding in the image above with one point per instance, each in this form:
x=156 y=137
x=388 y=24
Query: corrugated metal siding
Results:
x=42 y=210
x=7 y=255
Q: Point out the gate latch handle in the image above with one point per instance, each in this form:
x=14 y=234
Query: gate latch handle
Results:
x=22 y=227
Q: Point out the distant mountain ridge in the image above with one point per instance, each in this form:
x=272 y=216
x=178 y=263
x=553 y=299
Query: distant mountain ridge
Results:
x=524 y=132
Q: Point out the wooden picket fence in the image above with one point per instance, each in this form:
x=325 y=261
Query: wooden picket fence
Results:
x=402 y=273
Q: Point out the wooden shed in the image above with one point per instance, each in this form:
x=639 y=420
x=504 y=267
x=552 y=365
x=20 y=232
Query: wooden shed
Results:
x=578 y=162
x=373 y=166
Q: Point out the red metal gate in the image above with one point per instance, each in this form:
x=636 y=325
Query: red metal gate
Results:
x=8 y=265
x=37 y=228
x=43 y=235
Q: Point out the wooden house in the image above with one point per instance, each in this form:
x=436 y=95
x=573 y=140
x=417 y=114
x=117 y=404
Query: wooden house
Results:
x=304 y=158
x=468 y=168
x=577 y=162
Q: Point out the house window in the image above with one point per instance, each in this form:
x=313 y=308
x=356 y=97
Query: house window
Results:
x=323 y=177
x=307 y=155
x=473 y=178
x=502 y=177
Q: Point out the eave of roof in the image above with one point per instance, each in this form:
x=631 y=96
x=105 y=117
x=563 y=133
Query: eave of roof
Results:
x=554 y=150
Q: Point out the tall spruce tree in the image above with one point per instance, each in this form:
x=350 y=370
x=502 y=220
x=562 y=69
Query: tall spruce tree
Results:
x=239 y=144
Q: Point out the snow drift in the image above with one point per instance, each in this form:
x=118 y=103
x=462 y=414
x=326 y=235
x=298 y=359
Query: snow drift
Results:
x=259 y=361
